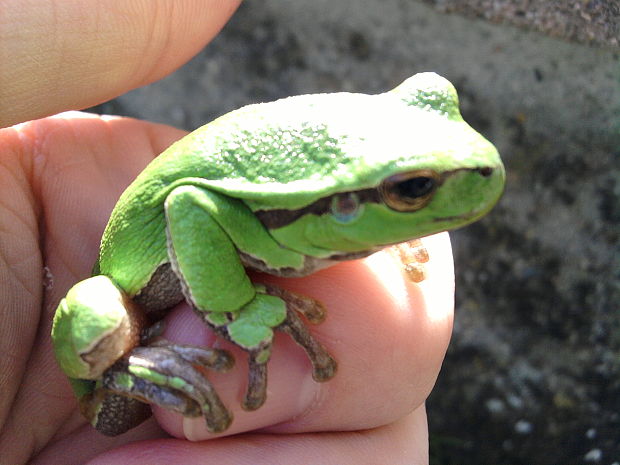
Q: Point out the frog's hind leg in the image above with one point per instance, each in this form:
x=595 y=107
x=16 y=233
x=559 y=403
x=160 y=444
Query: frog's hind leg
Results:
x=113 y=414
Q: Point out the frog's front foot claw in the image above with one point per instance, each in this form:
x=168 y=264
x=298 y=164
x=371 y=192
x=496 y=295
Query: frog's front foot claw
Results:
x=323 y=364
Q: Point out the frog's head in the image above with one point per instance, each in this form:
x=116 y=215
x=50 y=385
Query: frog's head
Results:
x=419 y=171
x=94 y=326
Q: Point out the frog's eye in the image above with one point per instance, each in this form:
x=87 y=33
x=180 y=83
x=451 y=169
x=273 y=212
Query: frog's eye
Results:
x=408 y=192
x=345 y=207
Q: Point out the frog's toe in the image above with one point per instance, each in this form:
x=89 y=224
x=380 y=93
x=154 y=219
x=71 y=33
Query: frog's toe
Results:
x=256 y=392
x=313 y=310
x=324 y=366
x=413 y=255
x=215 y=359
x=252 y=330
x=121 y=382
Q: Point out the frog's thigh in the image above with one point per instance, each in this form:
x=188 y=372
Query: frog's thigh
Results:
x=202 y=255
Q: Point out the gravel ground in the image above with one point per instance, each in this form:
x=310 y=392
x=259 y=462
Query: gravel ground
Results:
x=594 y=22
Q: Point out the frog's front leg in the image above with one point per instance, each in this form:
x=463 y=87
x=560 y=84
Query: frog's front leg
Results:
x=252 y=329
x=206 y=231
x=413 y=255
x=323 y=364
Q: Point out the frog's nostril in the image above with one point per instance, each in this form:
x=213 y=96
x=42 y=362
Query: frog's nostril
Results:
x=486 y=172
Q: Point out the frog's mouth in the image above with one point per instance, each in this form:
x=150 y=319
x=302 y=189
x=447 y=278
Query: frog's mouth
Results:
x=465 y=218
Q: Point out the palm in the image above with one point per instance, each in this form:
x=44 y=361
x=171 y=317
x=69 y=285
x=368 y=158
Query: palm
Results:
x=59 y=184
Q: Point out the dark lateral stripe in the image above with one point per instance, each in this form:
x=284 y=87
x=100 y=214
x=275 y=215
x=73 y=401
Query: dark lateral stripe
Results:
x=273 y=219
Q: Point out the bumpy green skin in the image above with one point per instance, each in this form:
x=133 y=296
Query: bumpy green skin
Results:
x=195 y=206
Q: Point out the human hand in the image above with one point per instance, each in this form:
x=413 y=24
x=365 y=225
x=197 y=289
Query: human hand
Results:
x=59 y=180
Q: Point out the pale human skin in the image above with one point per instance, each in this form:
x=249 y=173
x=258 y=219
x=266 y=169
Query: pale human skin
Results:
x=59 y=179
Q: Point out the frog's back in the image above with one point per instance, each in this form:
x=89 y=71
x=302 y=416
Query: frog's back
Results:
x=288 y=153
x=290 y=146
x=254 y=153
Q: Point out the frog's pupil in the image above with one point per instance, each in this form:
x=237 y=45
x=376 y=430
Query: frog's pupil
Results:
x=415 y=187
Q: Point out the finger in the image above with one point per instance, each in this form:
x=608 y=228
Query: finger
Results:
x=80 y=444
x=78 y=53
x=388 y=335
x=402 y=443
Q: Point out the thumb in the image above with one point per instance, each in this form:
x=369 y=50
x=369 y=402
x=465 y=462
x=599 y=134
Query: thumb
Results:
x=73 y=54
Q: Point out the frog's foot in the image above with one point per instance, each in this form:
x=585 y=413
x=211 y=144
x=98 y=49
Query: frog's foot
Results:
x=323 y=364
x=413 y=255
x=252 y=329
x=172 y=376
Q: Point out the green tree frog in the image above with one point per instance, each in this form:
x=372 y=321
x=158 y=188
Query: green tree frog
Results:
x=286 y=187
